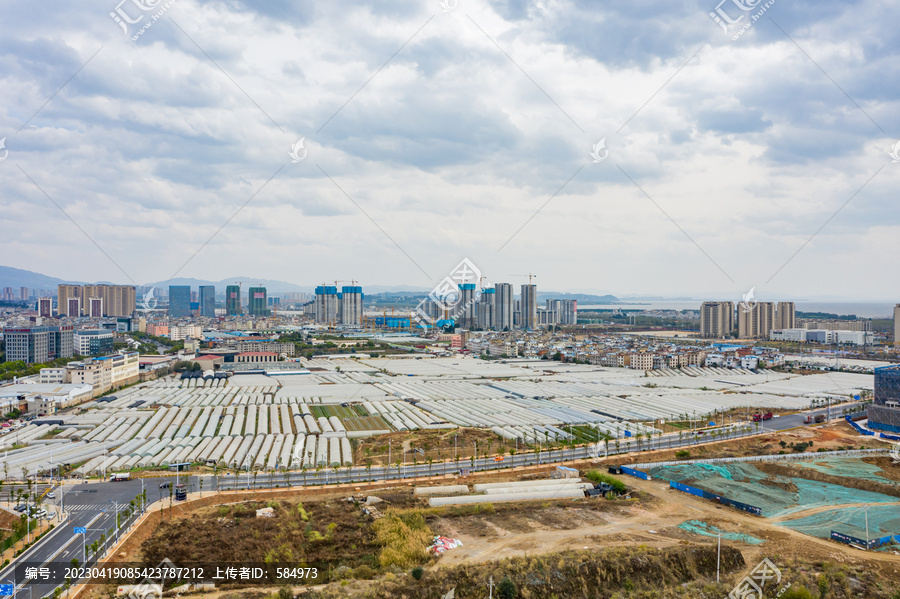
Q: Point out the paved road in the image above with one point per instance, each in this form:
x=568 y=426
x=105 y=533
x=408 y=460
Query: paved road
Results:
x=93 y=505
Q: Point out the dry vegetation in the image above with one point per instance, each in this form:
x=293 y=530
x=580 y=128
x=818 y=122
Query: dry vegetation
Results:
x=330 y=535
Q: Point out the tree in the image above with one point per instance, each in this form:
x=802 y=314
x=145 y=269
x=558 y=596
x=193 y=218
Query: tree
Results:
x=507 y=589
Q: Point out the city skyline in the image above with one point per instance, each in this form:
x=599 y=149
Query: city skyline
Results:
x=697 y=162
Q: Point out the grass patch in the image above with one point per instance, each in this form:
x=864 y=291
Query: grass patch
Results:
x=596 y=477
x=403 y=536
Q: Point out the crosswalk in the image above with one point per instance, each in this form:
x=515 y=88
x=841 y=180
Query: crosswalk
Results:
x=89 y=507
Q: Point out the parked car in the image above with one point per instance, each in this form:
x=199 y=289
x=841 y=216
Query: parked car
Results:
x=21 y=507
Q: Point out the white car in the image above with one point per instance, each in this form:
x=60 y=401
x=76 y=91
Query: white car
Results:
x=51 y=495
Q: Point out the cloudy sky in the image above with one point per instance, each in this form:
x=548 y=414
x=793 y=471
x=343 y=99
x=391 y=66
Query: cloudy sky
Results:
x=152 y=138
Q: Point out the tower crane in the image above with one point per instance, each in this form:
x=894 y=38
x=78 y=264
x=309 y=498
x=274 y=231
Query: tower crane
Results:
x=529 y=275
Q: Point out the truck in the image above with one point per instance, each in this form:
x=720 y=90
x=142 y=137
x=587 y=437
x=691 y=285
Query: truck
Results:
x=807 y=420
x=760 y=416
x=820 y=418
x=119 y=476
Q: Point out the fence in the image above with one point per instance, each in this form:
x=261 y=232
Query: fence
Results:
x=818 y=455
x=635 y=473
x=870 y=544
x=858 y=428
x=746 y=507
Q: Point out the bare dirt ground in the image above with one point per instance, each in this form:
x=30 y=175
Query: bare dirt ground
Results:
x=654 y=522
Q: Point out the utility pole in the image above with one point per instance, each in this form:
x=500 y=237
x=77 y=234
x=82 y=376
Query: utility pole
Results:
x=866 y=510
x=718 y=557
x=491 y=588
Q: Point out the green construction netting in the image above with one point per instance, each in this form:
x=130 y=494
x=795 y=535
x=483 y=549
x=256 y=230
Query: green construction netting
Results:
x=708 y=530
x=849 y=467
x=742 y=481
x=883 y=520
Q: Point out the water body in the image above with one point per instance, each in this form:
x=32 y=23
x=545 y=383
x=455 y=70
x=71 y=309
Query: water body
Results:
x=861 y=309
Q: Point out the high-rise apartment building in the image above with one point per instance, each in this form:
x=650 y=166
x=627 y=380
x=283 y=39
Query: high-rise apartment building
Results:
x=351 y=305
x=207 y=300
x=233 y=300
x=95 y=307
x=503 y=306
x=65 y=305
x=256 y=304
x=179 y=301
x=559 y=312
x=115 y=300
x=465 y=311
x=24 y=294
x=716 y=319
x=45 y=307
x=485 y=317
x=757 y=322
x=326 y=304
x=35 y=345
x=528 y=306
x=785 y=316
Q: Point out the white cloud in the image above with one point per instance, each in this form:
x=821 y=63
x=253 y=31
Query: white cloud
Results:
x=450 y=147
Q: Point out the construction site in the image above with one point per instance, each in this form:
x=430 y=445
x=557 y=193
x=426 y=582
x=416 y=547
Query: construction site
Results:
x=693 y=527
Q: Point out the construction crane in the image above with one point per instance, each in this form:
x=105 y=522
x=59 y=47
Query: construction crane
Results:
x=529 y=275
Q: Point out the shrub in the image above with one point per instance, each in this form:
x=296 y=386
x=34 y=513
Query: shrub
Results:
x=682 y=454
x=315 y=535
x=507 y=589
x=364 y=572
x=285 y=592
x=403 y=536
x=418 y=572
x=797 y=592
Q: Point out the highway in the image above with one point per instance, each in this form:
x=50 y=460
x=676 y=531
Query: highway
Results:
x=93 y=505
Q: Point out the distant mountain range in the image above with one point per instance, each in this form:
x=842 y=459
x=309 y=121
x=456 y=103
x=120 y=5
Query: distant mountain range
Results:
x=17 y=277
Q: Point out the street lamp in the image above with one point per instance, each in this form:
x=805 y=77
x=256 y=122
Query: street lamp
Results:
x=116 y=525
x=13 y=586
